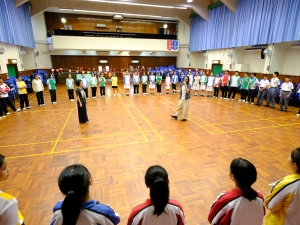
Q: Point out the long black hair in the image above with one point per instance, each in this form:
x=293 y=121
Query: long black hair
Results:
x=78 y=83
x=295 y=155
x=2 y=157
x=74 y=183
x=157 y=180
x=245 y=174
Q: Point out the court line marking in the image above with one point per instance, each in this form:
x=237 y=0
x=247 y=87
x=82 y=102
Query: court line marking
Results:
x=189 y=119
x=63 y=128
x=74 y=150
x=133 y=119
x=72 y=139
x=161 y=138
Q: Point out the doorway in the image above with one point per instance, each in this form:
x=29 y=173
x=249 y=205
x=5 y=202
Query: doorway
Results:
x=217 y=68
x=134 y=66
x=12 y=70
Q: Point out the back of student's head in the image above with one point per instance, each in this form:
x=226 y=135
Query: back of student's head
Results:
x=74 y=183
x=245 y=175
x=2 y=157
x=157 y=180
x=295 y=155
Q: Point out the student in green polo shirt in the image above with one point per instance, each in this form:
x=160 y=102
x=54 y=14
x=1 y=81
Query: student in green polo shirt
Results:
x=244 y=88
x=52 y=89
x=102 y=85
x=158 y=83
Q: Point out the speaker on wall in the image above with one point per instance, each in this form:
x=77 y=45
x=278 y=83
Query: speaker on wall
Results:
x=262 y=55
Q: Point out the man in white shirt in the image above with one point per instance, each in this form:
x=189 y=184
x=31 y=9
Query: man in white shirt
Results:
x=272 y=91
x=263 y=85
x=285 y=93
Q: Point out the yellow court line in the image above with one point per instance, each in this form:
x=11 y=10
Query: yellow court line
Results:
x=61 y=131
x=72 y=139
x=133 y=119
x=82 y=149
x=199 y=118
x=189 y=119
x=260 y=128
x=144 y=117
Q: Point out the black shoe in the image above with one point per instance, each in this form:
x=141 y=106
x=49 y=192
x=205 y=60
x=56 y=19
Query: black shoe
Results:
x=183 y=120
x=174 y=117
x=285 y=110
x=280 y=110
x=267 y=106
x=272 y=107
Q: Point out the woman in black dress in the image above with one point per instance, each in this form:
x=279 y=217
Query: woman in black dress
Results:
x=81 y=103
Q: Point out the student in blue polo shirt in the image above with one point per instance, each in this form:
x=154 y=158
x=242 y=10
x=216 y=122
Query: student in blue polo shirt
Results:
x=78 y=207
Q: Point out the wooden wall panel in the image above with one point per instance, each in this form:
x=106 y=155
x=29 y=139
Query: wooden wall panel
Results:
x=117 y=62
x=26 y=72
x=89 y=22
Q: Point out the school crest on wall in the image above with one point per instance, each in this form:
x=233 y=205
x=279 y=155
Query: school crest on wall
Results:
x=172 y=44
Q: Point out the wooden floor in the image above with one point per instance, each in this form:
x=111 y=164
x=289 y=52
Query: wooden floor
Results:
x=126 y=135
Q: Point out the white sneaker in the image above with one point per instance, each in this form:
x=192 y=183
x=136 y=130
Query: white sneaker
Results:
x=40 y=105
x=298 y=114
x=54 y=102
x=24 y=109
x=8 y=113
x=240 y=100
x=18 y=110
x=1 y=117
x=28 y=107
x=134 y=94
x=252 y=103
x=232 y=99
x=114 y=94
x=119 y=94
x=43 y=104
x=244 y=100
x=247 y=102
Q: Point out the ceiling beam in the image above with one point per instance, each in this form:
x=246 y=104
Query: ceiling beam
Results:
x=231 y=4
x=20 y=2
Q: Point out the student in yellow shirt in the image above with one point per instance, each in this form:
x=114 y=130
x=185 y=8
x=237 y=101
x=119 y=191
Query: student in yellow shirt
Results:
x=9 y=213
x=23 y=94
x=114 y=84
x=284 y=197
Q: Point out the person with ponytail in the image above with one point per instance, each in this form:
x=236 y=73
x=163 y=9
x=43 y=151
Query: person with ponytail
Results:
x=159 y=209
x=78 y=208
x=284 y=197
x=242 y=204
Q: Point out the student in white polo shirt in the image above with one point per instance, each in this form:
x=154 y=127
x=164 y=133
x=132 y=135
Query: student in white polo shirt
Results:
x=234 y=84
x=38 y=88
x=9 y=213
x=285 y=93
x=272 y=91
x=263 y=85
x=159 y=209
x=85 y=86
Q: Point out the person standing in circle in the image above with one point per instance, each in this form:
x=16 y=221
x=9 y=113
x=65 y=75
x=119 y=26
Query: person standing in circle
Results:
x=23 y=94
x=94 y=85
x=38 y=88
x=81 y=103
x=70 y=87
x=184 y=103
x=52 y=89
x=158 y=83
x=102 y=85
x=114 y=84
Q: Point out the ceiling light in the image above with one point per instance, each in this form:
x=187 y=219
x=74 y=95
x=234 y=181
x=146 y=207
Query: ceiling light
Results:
x=103 y=61
x=135 y=61
x=189 y=0
x=178 y=7
x=165 y=26
x=63 y=20
x=66 y=9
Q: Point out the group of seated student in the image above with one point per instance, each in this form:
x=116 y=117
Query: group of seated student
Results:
x=241 y=205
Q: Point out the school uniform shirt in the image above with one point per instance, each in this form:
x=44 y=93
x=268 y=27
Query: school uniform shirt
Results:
x=127 y=80
x=284 y=201
x=210 y=81
x=4 y=89
x=92 y=212
x=101 y=81
x=9 y=213
x=168 y=81
x=245 y=83
x=231 y=208
x=203 y=79
x=287 y=86
x=191 y=77
x=93 y=81
x=253 y=83
x=144 y=79
x=217 y=82
x=85 y=82
x=234 y=81
x=225 y=79
x=152 y=79
x=158 y=79
x=114 y=81
x=70 y=83
x=263 y=83
x=275 y=82
x=136 y=80
x=21 y=89
x=51 y=84
x=143 y=214
x=174 y=79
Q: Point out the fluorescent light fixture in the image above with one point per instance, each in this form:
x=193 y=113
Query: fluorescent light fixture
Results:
x=103 y=61
x=139 y=4
x=165 y=26
x=179 y=7
x=66 y=9
x=63 y=20
x=135 y=61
